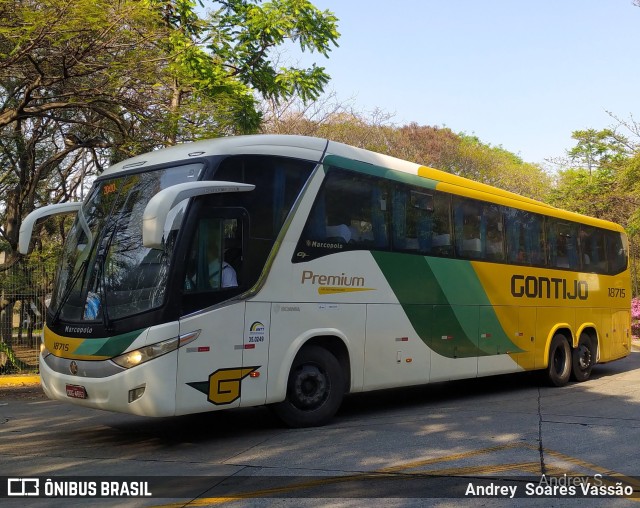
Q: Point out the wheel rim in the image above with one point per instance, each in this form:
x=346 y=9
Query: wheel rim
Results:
x=310 y=387
x=584 y=357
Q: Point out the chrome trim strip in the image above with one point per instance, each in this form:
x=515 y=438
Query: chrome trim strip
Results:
x=89 y=369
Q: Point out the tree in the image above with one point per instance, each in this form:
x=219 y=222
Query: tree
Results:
x=598 y=149
x=224 y=64
x=592 y=181
x=65 y=93
x=84 y=83
x=438 y=147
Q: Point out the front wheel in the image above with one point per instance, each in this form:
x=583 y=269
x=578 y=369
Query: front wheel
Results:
x=314 y=390
x=559 y=369
x=584 y=358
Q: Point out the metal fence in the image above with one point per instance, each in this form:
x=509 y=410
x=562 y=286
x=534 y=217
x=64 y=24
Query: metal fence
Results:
x=22 y=297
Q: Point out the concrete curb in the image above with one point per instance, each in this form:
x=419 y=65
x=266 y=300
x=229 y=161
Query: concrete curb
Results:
x=20 y=380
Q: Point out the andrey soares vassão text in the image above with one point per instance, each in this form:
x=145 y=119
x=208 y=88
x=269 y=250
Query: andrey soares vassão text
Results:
x=553 y=486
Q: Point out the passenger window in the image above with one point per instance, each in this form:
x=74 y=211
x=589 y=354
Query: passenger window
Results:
x=616 y=252
x=479 y=230
x=592 y=250
x=351 y=212
x=421 y=221
x=563 y=244
x=493 y=239
x=467 y=216
x=525 y=237
x=441 y=239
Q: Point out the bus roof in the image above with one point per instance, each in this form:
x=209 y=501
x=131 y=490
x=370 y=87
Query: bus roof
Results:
x=302 y=147
x=315 y=149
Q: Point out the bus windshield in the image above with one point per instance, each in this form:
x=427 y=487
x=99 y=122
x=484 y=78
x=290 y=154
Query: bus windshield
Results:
x=105 y=272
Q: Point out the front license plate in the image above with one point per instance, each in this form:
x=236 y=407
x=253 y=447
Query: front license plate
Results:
x=76 y=392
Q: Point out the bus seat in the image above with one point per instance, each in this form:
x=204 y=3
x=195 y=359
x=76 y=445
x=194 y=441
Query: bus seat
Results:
x=340 y=232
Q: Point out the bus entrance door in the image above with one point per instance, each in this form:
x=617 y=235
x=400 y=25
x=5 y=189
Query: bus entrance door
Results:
x=210 y=370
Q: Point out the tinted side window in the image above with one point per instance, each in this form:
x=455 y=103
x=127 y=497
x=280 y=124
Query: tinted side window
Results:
x=616 y=252
x=467 y=215
x=592 y=249
x=563 y=244
x=525 y=237
x=421 y=222
x=493 y=233
x=479 y=230
x=278 y=182
x=351 y=212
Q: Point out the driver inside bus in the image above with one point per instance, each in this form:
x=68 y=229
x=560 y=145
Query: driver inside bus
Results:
x=214 y=279
x=227 y=277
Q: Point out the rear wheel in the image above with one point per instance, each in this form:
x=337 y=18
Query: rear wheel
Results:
x=314 y=390
x=559 y=369
x=584 y=357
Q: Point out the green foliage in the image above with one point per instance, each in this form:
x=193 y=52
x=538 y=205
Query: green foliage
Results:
x=598 y=149
x=499 y=167
x=226 y=61
x=85 y=83
x=438 y=147
x=593 y=182
x=630 y=182
x=585 y=192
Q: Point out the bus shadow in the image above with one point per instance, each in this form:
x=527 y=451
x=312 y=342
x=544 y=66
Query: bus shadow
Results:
x=454 y=392
x=204 y=427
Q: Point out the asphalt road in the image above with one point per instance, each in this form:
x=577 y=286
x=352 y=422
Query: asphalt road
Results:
x=406 y=447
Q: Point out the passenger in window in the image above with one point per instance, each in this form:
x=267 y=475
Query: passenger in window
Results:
x=562 y=261
x=494 y=244
x=585 y=244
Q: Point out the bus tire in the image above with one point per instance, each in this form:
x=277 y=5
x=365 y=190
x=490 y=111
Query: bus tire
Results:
x=583 y=358
x=314 y=390
x=559 y=369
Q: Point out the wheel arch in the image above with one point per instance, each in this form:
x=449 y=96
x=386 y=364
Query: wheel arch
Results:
x=338 y=348
x=331 y=339
x=562 y=329
x=590 y=330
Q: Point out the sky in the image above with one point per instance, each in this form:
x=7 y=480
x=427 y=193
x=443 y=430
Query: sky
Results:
x=521 y=74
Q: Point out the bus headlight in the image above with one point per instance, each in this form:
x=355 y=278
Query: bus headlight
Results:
x=146 y=353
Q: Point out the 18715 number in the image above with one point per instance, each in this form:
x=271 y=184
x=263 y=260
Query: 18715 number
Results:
x=617 y=293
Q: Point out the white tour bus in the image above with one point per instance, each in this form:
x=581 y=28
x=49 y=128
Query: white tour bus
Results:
x=288 y=271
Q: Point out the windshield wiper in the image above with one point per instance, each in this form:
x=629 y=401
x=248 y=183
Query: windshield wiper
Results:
x=101 y=261
x=63 y=300
x=81 y=269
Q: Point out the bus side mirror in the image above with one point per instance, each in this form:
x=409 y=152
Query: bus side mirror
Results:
x=26 y=229
x=157 y=210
